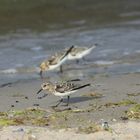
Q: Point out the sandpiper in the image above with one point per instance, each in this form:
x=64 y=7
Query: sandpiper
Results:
x=61 y=89
x=79 y=52
x=54 y=62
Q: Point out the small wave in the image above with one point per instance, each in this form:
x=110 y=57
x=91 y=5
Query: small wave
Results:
x=21 y=70
x=39 y=57
x=9 y=71
x=135 y=22
x=37 y=69
x=130 y=14
x=24 y=70
x=37 y=48
x=126 y=53
x=104 y=62
x=137 y=51
x=19 y=65
x=106 y=52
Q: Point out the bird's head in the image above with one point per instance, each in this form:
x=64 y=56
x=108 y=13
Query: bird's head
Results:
x=43 y=67
x=46 y=86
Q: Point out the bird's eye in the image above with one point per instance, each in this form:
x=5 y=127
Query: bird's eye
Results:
x=44 y=86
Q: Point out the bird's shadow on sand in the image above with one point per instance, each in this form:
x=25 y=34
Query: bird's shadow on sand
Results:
x=80 y=99
x=73 y=100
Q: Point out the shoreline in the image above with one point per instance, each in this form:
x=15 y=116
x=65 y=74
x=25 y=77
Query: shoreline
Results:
x=110 y=92
x=115 y=99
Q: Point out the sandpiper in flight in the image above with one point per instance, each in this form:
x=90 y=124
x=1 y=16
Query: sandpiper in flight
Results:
x=61 y=89
x=54 y=62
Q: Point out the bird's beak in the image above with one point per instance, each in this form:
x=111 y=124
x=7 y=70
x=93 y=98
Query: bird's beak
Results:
x=39 y=91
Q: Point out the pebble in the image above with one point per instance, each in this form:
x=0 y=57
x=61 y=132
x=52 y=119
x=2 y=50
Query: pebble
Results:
x=35 y=104
x=26 y=97
x=12 y=106
x=124 y=118
x=18 y=130
x=114 y=120
x=32 y=137
x=105 y=125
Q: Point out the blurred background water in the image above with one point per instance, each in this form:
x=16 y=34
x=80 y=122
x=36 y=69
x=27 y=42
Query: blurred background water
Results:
x=32 y=30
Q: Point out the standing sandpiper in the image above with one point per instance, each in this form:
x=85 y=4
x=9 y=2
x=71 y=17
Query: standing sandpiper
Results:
x=54 y=62
x=79 y=52
x=61 y=89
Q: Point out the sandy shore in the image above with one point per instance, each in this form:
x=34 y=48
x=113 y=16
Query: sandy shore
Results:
x=111 y=98
x=104 y=91
x=121 y=131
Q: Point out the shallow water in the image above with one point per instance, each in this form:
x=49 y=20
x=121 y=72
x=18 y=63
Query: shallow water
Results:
x=32 y=31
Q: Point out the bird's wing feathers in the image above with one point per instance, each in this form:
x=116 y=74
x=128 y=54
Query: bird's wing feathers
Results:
x=64 y=87
x=53 y=61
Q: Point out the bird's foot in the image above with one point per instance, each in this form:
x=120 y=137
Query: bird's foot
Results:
x=54 y=106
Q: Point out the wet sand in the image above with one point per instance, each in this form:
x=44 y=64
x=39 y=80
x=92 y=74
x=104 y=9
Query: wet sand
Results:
x=109 y=98
x=104 y=92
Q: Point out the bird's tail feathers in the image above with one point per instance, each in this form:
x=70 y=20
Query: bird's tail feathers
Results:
x=81 y=87
x=67 y=52
x=93 y=47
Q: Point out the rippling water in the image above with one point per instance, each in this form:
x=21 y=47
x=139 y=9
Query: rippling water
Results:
x=33 y=30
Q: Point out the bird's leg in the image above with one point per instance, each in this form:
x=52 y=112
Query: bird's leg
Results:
x=77 y=61
x=60 y=101
x=41 y=74
x=83 y=58
x=61 y=69
x=68 y=101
